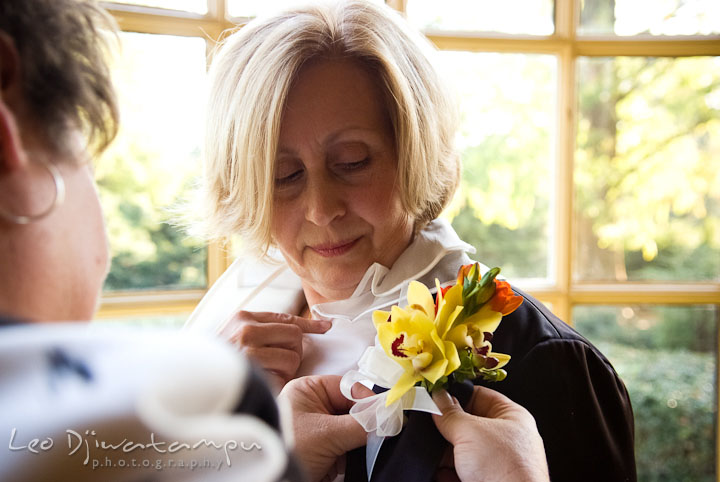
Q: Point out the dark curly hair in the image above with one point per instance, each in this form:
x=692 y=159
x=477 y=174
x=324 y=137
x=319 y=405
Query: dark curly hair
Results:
x=63 y=49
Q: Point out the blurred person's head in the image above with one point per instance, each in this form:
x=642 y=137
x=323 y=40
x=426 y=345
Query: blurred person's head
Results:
x=329 y=136
x=57 y=108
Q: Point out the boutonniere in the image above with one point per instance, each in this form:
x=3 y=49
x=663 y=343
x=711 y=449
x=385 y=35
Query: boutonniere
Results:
x=427 y=345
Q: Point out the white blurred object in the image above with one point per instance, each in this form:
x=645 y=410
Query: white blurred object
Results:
x=80 y=389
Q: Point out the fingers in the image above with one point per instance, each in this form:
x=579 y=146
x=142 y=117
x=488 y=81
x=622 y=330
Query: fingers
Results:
x=361 y=391
x=306 y=325
x=446 y=402
x=279 y=335
x=279 y=361
x=320 y=398
x=330 y=384
x=324 y=389
x=273 y=340
x=275 y=347
x=487 y=403
x=347 y=433
x=317 y=394
x=276 y=382
x=453 y=418
x=317 y=327
x=491 y=404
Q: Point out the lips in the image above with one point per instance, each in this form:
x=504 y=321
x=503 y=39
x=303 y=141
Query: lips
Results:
x=330 y=250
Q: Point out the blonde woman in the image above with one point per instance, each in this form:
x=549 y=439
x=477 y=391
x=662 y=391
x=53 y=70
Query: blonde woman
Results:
x=329 y=151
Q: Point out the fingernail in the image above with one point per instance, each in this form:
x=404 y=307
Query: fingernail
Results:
x=442 y=399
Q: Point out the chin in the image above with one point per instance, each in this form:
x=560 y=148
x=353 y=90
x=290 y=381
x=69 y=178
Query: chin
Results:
x=86 y=306
x=84 y=313
x=340 y=282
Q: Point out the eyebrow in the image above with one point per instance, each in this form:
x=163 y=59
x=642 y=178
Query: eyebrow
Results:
x=285 y=150
x=333 y=137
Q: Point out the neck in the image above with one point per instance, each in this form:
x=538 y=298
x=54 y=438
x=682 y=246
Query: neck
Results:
x=314 y=297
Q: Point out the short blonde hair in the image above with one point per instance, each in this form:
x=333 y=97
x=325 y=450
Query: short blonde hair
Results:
x=250 y=78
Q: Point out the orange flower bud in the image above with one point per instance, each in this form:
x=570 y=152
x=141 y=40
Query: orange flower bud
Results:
x=464 y=272
x=504 y=301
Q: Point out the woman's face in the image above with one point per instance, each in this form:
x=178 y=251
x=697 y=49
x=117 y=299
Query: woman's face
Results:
x=336 y=205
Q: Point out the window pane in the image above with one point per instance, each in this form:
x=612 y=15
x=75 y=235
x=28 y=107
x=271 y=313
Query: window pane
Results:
x=529 y=17
x=507 y=137
x=254 y=8
x=650 y=17
x=667 y=358
x=194 y=6
x=161 y=81
x=647 y=175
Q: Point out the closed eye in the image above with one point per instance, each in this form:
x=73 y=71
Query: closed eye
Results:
x=294 y=176
x=354 y=166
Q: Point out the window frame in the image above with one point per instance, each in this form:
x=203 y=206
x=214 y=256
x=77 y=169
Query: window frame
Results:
x=561 y=291
x=565 y=292
x=151 y=20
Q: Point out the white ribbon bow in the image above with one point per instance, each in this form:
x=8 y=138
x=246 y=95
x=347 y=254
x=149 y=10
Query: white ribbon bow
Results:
x=375 y=367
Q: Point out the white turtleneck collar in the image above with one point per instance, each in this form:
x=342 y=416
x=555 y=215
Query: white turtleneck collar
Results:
x=436 y=252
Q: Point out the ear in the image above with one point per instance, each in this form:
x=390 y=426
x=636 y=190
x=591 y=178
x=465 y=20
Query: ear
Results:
x=9 y=62
x=12 y=153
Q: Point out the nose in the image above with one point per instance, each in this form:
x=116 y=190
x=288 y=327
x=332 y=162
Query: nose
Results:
x=324 y=200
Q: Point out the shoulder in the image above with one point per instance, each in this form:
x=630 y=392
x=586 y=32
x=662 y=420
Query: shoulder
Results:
x=548 y=351
x=7 y=321
x=581 y=406
x=533 y=328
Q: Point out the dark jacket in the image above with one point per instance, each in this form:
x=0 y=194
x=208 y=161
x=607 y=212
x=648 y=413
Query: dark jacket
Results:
x=581 y=407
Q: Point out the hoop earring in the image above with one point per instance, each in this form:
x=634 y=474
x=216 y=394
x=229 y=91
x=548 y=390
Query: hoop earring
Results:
x=59 y=183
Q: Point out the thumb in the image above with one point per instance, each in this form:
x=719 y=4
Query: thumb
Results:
x=348 y=434
x=453 y=417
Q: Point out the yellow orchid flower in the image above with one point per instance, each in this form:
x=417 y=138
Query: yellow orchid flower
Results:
x=410 y=337
x=449 y=307
x=443 y=311
x=475 y=334
x=470 y=333
x=433 y=337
